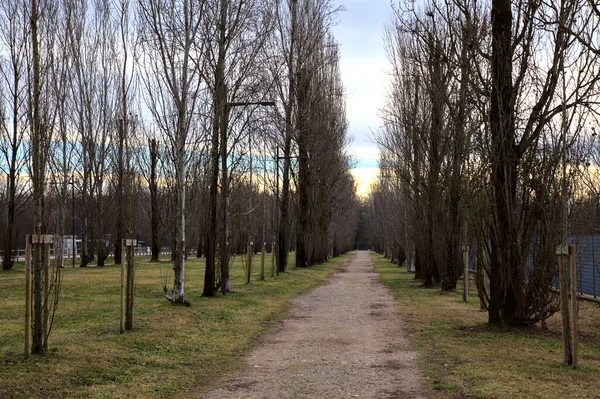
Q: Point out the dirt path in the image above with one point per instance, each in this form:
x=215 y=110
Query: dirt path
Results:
x=344 y=340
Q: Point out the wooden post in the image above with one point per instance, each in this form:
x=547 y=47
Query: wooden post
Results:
x=47 y=269
x=123 y=267
x=465 y=250
x=562 y=252
x=262 y=262
x=574 y=316
x=273 y=257
x=130 y=245
x=249 y=259
x=27 y=296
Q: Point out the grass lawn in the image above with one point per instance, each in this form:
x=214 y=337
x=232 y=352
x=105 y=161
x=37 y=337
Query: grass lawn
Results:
x=462 y=357
x=173 y=351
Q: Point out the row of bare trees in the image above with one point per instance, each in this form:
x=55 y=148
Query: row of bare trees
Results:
x=152 y=126
x=488 y=132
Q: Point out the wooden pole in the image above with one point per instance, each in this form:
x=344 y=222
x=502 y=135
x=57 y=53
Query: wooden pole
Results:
x=574 y=316
x=249 y=259
x=262 y=262
x=465 y=250
x=562 y=252
x=129 y=311
x=273 y=257
x=27 y=296
x=46 y=268
x=123 y=267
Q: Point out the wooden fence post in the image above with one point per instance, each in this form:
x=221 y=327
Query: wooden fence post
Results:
x=273 y=246
x=123 y=267
x=465 y=253
x=27 y=296
x=249 y=259
x=131 y=244
x=262 y=262
x=562 y=251
x=47 y=240
x=574 y=315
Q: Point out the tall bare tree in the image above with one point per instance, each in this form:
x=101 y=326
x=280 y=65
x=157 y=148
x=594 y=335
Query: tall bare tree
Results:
x=232 y=65
x=499 y=101
x=172 y=47
x=13 y=115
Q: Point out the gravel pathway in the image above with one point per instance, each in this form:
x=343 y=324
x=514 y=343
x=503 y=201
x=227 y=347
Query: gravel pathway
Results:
x=344 y=340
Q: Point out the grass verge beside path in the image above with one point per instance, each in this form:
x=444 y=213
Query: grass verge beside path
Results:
x=173 y=349
x=462 y=357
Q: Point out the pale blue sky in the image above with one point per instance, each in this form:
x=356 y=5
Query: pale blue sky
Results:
x=363 y=64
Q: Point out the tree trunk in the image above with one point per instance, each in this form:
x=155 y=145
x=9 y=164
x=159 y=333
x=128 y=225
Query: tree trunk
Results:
x=433 y=269
x=211 y=230
x=284 y=230
x=219 y=111
x=179 y=261
x=7 y=262
x=39 y=269
x=222 y=120
x=302 y=131
x=453 y=256
x=200 y=250
x=506 y=283
x=284 y=224
x=120 y=200
x=154 y=212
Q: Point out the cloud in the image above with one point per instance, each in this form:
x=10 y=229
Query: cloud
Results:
x=364 y=177
x=366 y=156
x=363 y=69
x=365 y=83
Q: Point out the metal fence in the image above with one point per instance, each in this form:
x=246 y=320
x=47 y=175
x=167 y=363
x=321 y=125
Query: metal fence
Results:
x=18 y=255
x=588 y=263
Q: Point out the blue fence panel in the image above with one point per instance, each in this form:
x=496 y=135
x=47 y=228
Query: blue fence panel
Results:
x=588 y=263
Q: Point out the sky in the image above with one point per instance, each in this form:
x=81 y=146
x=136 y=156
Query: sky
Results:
x=363 y=64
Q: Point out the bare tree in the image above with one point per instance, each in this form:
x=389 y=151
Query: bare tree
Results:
x=94 y=98
x=321 y=137
x=126 y=124
x=232 y=60
x=497 y=99
x=41 y=114
x=13 y=115
x=171 y=49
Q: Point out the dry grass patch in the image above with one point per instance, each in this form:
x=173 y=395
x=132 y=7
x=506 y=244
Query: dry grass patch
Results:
x=462 y=357
x=172 y=350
